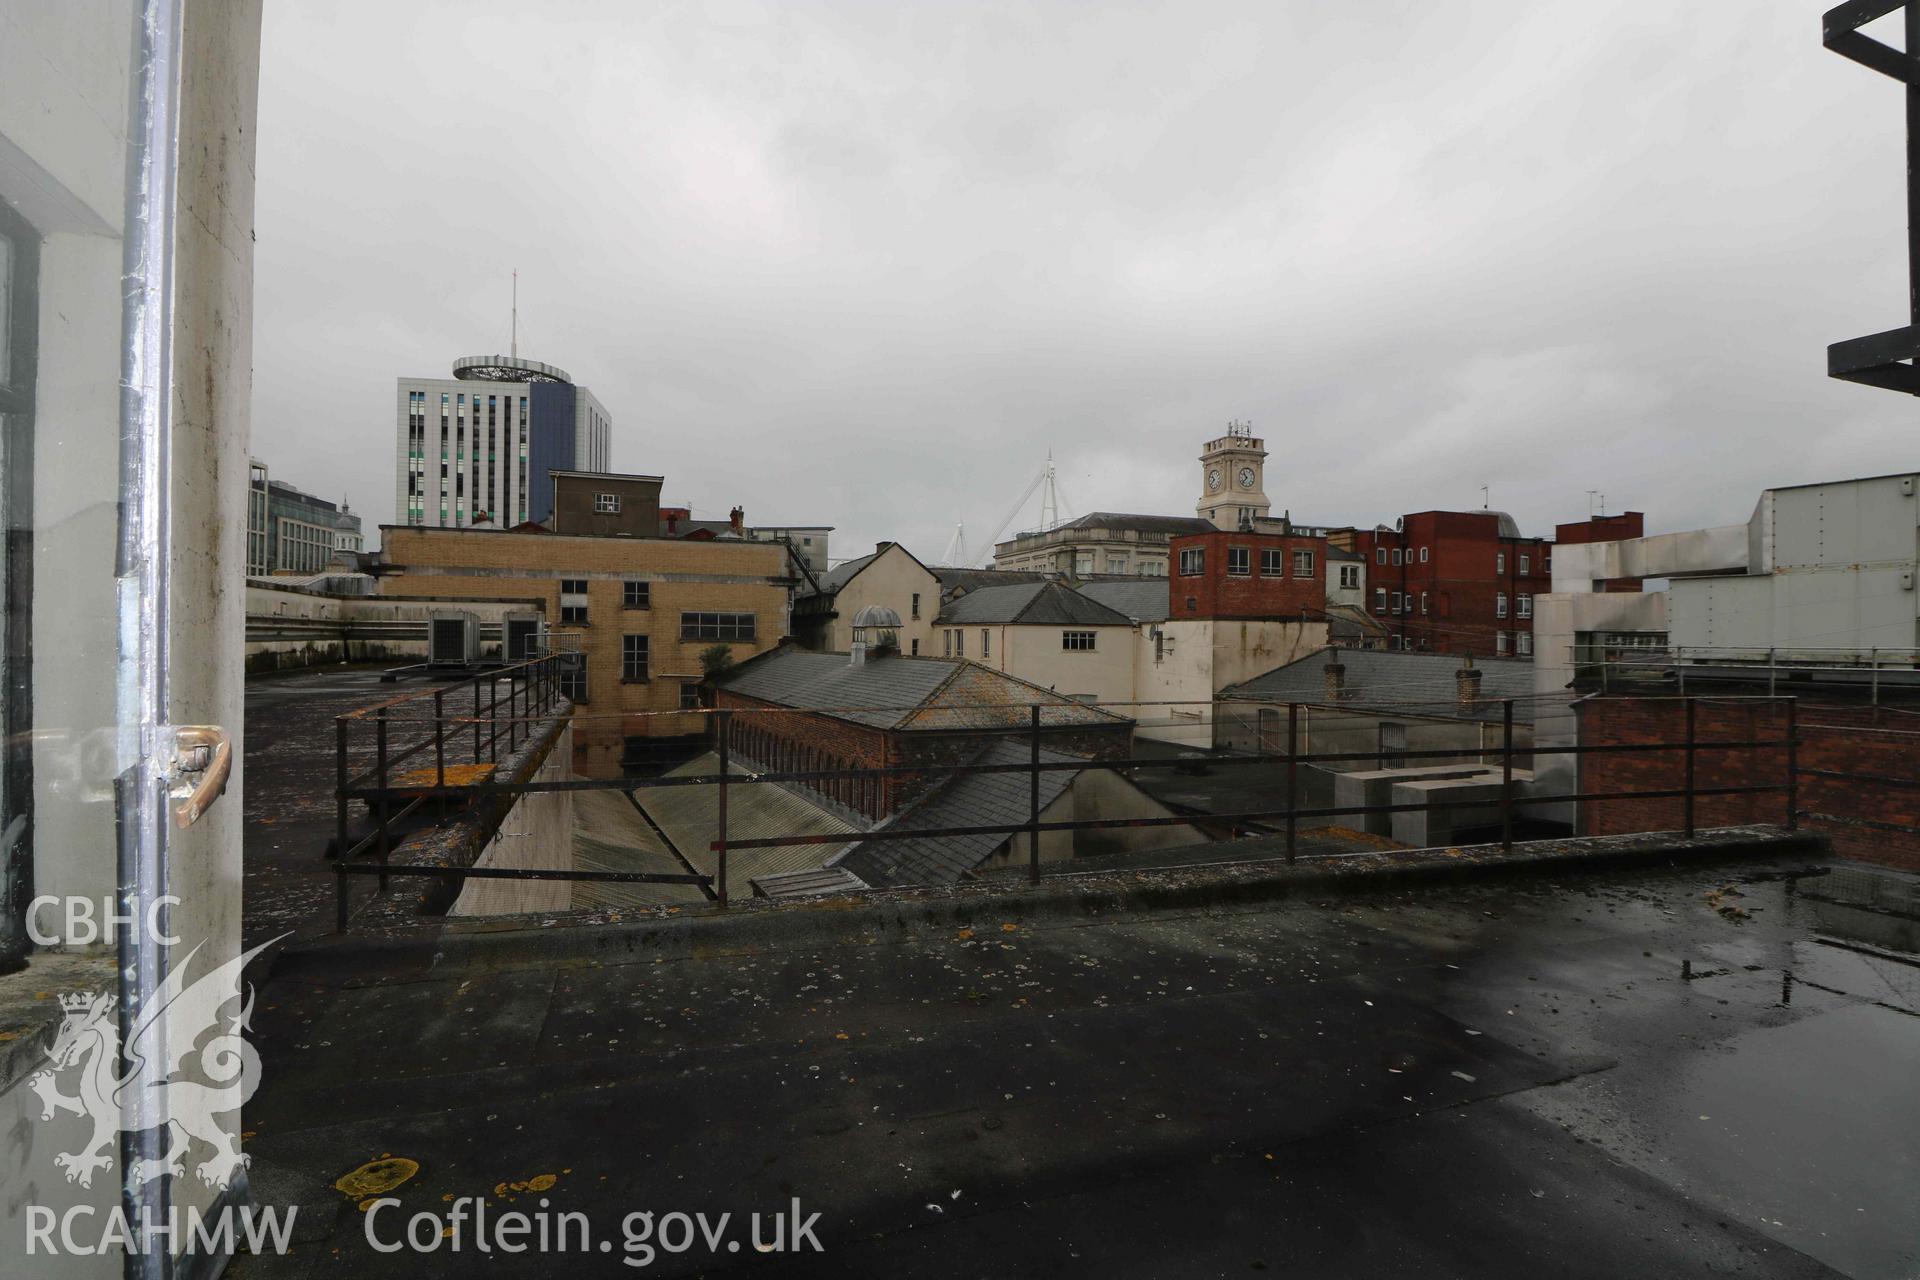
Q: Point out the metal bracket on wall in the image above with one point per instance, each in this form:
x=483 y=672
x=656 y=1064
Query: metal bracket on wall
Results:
x=1890 y=359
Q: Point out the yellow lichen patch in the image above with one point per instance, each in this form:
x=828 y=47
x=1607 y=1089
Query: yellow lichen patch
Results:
x=1009 y=928
x=458 y=775
x=377 y=1176
x=539 y=1182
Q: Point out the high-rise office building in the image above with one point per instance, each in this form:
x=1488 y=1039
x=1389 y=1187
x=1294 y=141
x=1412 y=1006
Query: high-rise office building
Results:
x=483 y=444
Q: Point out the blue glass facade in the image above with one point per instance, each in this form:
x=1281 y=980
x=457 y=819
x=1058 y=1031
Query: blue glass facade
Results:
x=550 y=439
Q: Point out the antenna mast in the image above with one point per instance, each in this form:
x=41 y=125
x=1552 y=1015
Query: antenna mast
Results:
x=514 y=341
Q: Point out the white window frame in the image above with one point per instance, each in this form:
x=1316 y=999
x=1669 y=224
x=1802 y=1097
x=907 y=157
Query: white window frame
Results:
x=1500 y=604
x=1069 y=639
x=1303 y=562
x=607 y=504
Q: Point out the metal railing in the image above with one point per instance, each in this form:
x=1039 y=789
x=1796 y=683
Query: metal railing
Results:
x=457 y=735
x=531 y=696
x=1872 y=667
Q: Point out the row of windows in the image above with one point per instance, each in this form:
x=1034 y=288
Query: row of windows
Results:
x=1402 y=602
x=1517 y=642
x=955 y=641
x=1384 y=555
x=1273 y=561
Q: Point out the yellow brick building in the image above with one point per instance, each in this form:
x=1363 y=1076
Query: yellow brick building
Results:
x=644 y=609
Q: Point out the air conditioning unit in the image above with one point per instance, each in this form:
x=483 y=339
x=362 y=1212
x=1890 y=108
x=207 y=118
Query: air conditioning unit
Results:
x=524 y=639
x=453 y=639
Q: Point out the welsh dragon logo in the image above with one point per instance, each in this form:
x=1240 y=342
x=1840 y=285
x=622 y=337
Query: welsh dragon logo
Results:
x=209 y=1069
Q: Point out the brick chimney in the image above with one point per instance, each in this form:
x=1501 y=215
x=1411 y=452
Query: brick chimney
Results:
x=1466 y=685
x=1336 y=680
x=736 y=518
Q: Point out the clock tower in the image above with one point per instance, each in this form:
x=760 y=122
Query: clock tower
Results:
x=1232 y=478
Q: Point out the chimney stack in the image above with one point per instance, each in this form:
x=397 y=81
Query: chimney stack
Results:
x=1336 y=680
x=1466 y=685
x=736 y=518
x=857 y=656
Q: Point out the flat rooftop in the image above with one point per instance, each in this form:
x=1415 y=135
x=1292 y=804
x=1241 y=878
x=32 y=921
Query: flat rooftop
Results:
x=1684 y=1071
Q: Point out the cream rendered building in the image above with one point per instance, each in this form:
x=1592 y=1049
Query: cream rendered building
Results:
x=1046 y=634
x=891 y=577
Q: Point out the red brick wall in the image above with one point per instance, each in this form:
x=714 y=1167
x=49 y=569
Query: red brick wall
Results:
x=799 y=741
x=1215 y=593
x=1840 y=737
x=1460 y=580
x=786 y=740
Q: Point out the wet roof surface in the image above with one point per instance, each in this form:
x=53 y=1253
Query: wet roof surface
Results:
x=1588 y=1075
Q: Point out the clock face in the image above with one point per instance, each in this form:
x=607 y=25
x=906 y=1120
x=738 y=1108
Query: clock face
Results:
x=1246 y=477
x=1213 y=478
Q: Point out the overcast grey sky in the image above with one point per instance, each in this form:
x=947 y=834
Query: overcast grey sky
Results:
x=862 y=264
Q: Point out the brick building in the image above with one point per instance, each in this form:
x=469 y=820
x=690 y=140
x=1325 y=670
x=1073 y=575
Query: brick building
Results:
x=1858 y=767
x=644 y=608
x=1454 y=581
x=606 y=503
x=824 y=711
x=1244 y=574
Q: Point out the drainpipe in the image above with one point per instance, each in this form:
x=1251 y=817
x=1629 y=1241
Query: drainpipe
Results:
x=140 y=577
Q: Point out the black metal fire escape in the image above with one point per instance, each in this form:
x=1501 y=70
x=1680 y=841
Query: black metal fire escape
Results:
x=1890 y=359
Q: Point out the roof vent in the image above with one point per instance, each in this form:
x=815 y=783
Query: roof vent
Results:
x=874 y=627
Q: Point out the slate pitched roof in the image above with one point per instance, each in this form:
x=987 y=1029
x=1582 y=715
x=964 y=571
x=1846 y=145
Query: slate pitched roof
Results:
x=828 y=682
x=960 y=578
x=964 y=800
x=1031 y=604
x=1149 y=600
x=842 y=573
x=1141 y=523
x=1418 y=683
x=898 y=692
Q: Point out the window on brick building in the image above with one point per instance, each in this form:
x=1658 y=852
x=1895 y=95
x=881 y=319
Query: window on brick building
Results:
x=573 y=681
x=1396 y=556
x=1239 y=561
x=689 y=695
x=1526 y=606
x=1499 y=562
x=633 y=657
x=1500 y=642
x=1302 y=563
x=1379 y=599
x=1423 y=555
x=1500 y=605
x=1423 y=602
x=1524 y=561
x=1524 y=641
x=607 y=503
x=1077 y=641
x=637 y=595
x=1379 y=555
x=1193 y=561
x=1395 y=606
x=716 y=626
x=1270 y=562
x=573 y=600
